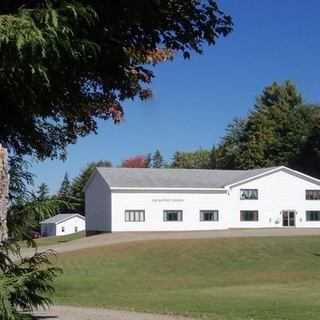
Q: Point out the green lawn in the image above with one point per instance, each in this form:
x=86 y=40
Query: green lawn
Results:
x=225 y=279
x=48 y=241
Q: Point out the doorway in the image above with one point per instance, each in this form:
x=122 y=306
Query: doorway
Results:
x=288 y=218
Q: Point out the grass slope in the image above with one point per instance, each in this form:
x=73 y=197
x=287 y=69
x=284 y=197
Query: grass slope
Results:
x=220 y=279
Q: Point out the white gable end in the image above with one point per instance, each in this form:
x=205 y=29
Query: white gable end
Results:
x=277 y=192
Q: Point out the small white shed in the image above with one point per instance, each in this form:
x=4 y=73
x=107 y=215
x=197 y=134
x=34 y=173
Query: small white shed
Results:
x=63 y=224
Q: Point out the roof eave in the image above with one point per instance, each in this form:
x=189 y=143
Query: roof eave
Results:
x=165 y=189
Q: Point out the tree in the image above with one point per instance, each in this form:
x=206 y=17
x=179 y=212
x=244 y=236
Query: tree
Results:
x=65 y=188
x=274 y=133
x=229 y=150
x=20 y=177
x=43 y=192
x=76 y=199
x=139 y=161
x=101 y=52
x=148 y=160
x=157 y=160
x=308 y=159
x=213 y=158
x=199 y=159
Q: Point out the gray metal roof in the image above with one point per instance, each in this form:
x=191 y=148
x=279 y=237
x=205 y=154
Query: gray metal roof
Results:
x=61 y=217
x=174 y=178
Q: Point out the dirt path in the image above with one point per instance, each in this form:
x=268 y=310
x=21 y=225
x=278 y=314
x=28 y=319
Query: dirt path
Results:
x=80 y=313
x=122 y=237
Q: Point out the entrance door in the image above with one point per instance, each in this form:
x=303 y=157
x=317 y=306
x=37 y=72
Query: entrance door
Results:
x=288 y=218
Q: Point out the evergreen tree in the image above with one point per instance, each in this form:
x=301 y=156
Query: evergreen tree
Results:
x=199 y=159
x=65 y=188
x=157 y=160
x=148 y=160
x=213 y=158
x=79 y=182
x=43 y=192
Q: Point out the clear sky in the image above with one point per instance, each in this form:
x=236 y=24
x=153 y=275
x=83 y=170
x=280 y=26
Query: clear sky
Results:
x=273 y=40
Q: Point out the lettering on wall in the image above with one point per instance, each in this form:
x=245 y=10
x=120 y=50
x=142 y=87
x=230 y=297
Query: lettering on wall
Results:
x=167 y=200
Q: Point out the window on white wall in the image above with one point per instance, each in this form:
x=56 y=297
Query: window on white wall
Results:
x=134 y=216
x=312 y=194
x=62 y=229
x=248 y=194
x=75 y=229
x=209 y=215
x=249 y=215
x=313 y=215
x=172 y=215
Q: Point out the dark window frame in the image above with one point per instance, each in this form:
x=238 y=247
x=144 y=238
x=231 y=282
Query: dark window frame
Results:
x=244 y=214
x=178 y=212
x=313 y=194
x=214 y=213
x=313 y=215
x=250 y=196
x=134 y=215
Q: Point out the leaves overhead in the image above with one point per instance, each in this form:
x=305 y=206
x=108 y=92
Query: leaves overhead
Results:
x=65 y=64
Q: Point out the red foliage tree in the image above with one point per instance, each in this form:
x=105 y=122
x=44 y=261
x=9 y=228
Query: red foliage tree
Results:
x=139 y=161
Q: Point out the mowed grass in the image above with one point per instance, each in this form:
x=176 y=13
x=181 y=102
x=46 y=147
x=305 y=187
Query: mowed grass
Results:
x=48 y=241
x=220 y=279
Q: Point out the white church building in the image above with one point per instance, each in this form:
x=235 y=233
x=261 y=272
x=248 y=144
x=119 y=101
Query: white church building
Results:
x=123 y=199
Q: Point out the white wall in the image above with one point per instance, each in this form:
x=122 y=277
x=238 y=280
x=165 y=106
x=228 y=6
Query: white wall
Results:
x=277 y=192
x=69 y=226
x=155 y=202
x=98 y=205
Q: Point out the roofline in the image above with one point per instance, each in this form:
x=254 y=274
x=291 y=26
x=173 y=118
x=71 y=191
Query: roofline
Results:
x=63 y=220
x=165 y=188
x=90 y=179
x=93 y=174
x=272 y=170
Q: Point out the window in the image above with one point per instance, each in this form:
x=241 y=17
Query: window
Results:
x=135 y=216
x=75 y=229
x=312 y=194
x=209 y=215
x=313 y=215
x=249 y=215
x=62 y=229
x=248 y=194
x=172 y=215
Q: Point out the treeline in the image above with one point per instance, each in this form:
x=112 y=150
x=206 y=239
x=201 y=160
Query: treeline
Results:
x=279 y=130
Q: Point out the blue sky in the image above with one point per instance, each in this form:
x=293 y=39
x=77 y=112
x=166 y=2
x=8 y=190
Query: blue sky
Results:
x=195 y=100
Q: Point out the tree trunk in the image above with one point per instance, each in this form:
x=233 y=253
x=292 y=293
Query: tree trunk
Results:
x=4 y=190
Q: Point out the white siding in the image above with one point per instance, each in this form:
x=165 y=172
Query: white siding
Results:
x=48 y=229
x=70 y=226
x=154 y=203
x=277 y=192
x=98 y=205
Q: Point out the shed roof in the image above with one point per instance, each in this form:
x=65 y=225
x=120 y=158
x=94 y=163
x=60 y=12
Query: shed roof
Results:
x=175 y=178
x=62 y=217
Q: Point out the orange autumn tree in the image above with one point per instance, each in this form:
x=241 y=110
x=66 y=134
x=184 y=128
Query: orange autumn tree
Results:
x=139 y=161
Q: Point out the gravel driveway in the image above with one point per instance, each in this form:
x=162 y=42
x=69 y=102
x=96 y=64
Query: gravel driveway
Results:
x=122 y=237
x=79 y=313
